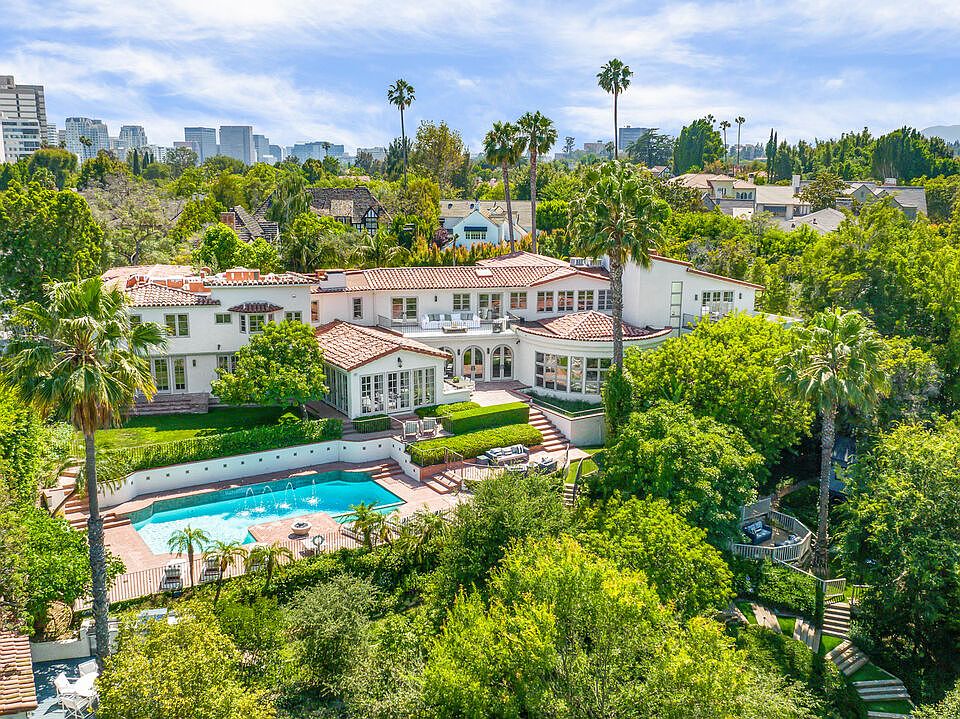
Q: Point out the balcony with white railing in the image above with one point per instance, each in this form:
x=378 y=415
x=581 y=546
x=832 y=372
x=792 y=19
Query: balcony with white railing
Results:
x=439 y=324
x=779 y=536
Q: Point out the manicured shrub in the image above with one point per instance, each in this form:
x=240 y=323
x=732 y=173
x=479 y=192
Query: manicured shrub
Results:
x=441 y=410
x=374 y=423
x=473 y=444
x=255 y=439
x=774 y=585
x=498 y=415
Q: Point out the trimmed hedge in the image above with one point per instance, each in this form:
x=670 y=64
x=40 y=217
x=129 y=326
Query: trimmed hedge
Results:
x=373 y=423
x=774 y=585
x=498 y=415
x=473 y=444
x=441 y=410
x=214 y=446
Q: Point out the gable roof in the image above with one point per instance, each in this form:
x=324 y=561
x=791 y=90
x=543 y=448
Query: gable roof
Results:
x=590 y=326
x=152 y=294
x=694 y=271
x=349 y=346
x=493 y=210
x=120 y=275
x=17 y=691
x=249 y=226
x=353 y=202
x=464 y=277
x=823 y=221
x=778 y=195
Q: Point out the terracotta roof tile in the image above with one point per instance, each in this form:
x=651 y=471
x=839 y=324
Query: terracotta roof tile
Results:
x=17 y=691
x=151 y=294
x=589 y=327
x=119 y=275
x=256 y=307
x=286 y=278
x=349 y=346
x=480 y=276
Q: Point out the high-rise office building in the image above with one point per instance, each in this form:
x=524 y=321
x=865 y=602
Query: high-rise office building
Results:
x=277 y=152
x=379 y=154
x=316 y=150
x=86 y=137
x=52 y=135
x=132 y=137
x=626 y=136
x=261 y=146
x=24 y=114
x=205 y=139
x=237 y=141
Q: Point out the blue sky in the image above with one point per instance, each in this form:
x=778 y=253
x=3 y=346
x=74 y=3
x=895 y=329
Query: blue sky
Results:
x=300 y=70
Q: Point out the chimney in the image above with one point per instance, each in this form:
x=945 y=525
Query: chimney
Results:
x=229 y=219
x=795 y=182
x=330 y=279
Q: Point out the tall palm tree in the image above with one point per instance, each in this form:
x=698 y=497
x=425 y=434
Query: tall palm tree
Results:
x=503 y=146
x=835 y=364
x=267 y=557
x=379 y=249
x=725 y=125
x=366 y=522
x=225 y=554
x=188 y=540
x=539 y=136
x=614 y=77
x=401 y=95
x=740 y=119
x=618 y=215
x=76 y=355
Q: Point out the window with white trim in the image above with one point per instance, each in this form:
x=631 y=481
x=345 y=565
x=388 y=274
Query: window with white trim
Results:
x=256 y=323
x=518 y=300
x=136 y=320
x=223 y=318
x=545 y=302
x=294 y=316
x=358 y=308
x=565 y=301
x=604 y=300
x=403 y=308
x=585 y=300
x=461 y=301
x=227 y=363
x=475 y=235
x=177 y=325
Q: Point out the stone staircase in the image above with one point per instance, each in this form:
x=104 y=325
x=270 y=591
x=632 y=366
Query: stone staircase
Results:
x=569 y=495
x=74 y=508
x=882 y=690
x=553 y=438
x=188 y=403
x=847 y=657
x=836 y=619
x=766 y=618
x=807 y=632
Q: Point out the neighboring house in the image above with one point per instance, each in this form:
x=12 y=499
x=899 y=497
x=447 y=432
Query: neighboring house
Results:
x=730 y=195
x=822 y=221
x=907 y=198
x=470 y=222
x=660 y=171
x=18 y=694
x=355 y=207
x=250 y=226
x=781 y=201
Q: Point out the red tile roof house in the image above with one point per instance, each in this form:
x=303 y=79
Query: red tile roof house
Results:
x=394 y=335
x=18 y=696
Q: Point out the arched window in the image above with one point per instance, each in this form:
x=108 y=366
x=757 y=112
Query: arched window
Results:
x=501 y=363
x=473 y=363
x=448 y=369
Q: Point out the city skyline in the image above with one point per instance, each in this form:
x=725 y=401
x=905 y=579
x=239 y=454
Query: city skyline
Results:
x=297 y=74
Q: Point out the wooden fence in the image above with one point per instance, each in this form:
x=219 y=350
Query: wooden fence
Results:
x=763 y=508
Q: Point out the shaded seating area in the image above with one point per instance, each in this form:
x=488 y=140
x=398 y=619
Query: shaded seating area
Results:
x=79 y=696
x=500 y=456
x=454 y=321
x=758 y=531
x=771 y=534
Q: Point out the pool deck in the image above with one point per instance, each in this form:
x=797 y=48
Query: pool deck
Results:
x=126 y=543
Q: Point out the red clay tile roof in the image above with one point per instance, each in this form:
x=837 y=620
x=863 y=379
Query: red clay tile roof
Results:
x=17 y=692
x=480 y=276
x=349 y=346
x=150 y=294
x=286 y=278
x=589 y=327
x=523 y=259
x=119 y=275
x=256 y=307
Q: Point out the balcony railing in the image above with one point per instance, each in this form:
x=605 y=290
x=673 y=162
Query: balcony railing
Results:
x=447 y=322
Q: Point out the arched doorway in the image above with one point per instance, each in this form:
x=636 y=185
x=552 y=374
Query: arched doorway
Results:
x=448 y=367
x=473 y=363
x=501 y=363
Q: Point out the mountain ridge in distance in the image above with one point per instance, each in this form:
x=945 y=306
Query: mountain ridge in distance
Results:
x=950 y=133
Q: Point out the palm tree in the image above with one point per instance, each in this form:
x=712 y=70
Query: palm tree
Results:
x=835 y=363
x=267 y=557
x=379 y=249
x=401 y=95
x=366 y=522
x=503 y=146
x=614 y=77
x=539 y=136
x=76 y=355
x=725 y=125
x=740 y=119
x=225 y=554
x=188 y=540
x=621 y=216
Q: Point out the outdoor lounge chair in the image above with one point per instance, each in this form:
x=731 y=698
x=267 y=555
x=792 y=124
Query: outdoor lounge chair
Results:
x=508 y=455
x=172 y=580
x=758 y=532
x=211 y=570
x=411 y=428
x=428 y=426
x=88 y=667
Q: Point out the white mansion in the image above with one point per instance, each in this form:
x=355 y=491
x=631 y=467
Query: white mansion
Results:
x=402 y=337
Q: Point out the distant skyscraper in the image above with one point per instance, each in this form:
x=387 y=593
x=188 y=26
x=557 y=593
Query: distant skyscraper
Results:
x=379 y=154
x=95 y=132
x=24 y=114
x=132 y=137
x=205 y=139
x=316 y=150
x=277 y=152
x=626 y=136
x=261 y=146
x=237 y=141
x=52 y=135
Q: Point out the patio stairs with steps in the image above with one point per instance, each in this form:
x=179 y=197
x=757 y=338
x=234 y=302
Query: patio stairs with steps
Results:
x=189 y=403
x=765 y=618
x=443 y=482
x=847 y=657
x=807 y=632
x=553 y=438
x=569 y=495
x=836 y=619
x=879 y=690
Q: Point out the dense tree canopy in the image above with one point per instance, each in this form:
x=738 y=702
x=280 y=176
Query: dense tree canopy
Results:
x=698 y=145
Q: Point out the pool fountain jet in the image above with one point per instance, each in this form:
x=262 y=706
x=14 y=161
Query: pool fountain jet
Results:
x=247 y=497
x=263 y=499
x=313 y=500
x=289 y=497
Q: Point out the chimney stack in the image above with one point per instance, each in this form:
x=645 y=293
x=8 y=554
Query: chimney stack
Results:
x=229 y=219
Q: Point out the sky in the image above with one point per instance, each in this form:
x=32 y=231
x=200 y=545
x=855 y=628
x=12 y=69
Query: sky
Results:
x=300 y=71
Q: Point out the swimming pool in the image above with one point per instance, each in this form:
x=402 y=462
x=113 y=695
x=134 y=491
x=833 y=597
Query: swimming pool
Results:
x=227 y=514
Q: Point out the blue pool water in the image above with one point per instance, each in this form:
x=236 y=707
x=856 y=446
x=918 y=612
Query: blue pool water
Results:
x=227 y=514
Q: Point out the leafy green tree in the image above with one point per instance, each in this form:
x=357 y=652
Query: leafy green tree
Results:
x=652 y=148
x=220 y=249
x=97 y=169
x=823 y=190
x=181 y=159
x=617 y=395
x=289 y=200
x=614 y=78
x=915 y=383
x=62 y=163
x=437 y=152
x=619 y=215
x=366 y=521
x=379 y=250
x=401 y=95
x=45 y=235
x=646 y=536
x=552 y=215
x=907 y=154
x=261 y=254
x=727 y=370
x=697 y=146
x=503 y=146
x=942 y=194
x=76 y=355
x=184 y=670
x=266 y=558
x=946 y=708
x=314 y=241
x=836 y=364
x=705 y=469
x=901 y=537
x=282 y=364
x=227 y=189
x=218 y=164
x=329 y=626
x=24 y=454
x=187 y=541
x=539 y=135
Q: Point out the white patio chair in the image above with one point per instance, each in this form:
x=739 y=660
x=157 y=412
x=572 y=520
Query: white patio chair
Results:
x=411 y=428
x=428 y=426
x=76 y=706
x=88 y=667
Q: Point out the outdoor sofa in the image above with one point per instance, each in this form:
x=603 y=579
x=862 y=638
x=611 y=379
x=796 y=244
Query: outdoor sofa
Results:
x=507 y=455
x=758 y=531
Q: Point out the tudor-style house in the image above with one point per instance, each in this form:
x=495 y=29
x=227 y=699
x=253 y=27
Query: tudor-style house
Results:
x=402 y=337
x=355 y=207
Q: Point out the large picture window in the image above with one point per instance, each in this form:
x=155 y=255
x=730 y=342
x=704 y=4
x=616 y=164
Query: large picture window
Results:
x=580 y=375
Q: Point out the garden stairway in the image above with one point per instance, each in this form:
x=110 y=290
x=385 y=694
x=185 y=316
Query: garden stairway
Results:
x=807 y=632
x=847 y=657
x=836 y=619
x=553 y=439
x=766 y=618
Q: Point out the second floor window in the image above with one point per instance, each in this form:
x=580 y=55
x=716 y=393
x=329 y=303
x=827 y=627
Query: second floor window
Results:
x=314 y=311
x=604 y=300
x=544 y=302
x=223 y=318
x=357 y=308
x=177 y=325
x=584 y=300
x=257 y=322
x=565 y=301
x=461 y=301
x=403 y=308
x=293 y=316
x=518 y=300
x=474 y=235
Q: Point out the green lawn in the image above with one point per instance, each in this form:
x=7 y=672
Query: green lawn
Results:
x=139 y=431
x=744 y=606
x=828 y=642
x=787 y=625
x=589 y=465
x=896 y=706
x=869 y=672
